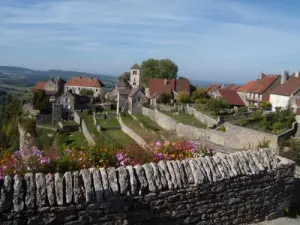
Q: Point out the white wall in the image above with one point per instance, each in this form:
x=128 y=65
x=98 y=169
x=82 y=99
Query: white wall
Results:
x=77 y=89
x=279 y=101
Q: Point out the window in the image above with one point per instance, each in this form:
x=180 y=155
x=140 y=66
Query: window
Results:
x=139 y=99
x=49 y=85
x=67 y=88
x=134 y=72
x=134 y=83
x=67 y=100
x=96 y=90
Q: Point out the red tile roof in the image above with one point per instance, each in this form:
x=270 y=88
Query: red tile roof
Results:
x=183 y=84
x=288 y=88
x=85 y=82
x=40 y=85
x=213 y=86
x=259 y=86
x=161 y=86
x=231 y=97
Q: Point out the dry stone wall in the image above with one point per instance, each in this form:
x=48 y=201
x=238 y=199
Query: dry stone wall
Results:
x=137 y=138
x=238 y=188
x=235 y=136
x=87 y=134
x=208 y=121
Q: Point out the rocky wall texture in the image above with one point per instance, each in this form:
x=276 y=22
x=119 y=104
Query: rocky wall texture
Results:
x=238 y=188
x=208 y=121
x=235 y=136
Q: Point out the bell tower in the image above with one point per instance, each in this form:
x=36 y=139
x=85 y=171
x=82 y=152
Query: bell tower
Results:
x=135 y=75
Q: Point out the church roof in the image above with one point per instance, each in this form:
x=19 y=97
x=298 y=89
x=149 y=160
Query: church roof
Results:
x=135 y=67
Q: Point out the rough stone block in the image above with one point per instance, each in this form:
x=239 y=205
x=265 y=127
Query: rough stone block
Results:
x=165 y=170
x=6 y=194
x=50 y=188
x=157 y=176
x=141 y=177
x=133 y=180
x=113 y=181
x=40 y=189
x=19 y=193
x=87 y=182
x=197 y=173
x=188 y=172
x=172 y=174
x=105 y=183
x=150 y=177
x=59 y=188
x=68 y=187
x=98 y=186
x=177 y=174
x=123 y=180
x=30 y=187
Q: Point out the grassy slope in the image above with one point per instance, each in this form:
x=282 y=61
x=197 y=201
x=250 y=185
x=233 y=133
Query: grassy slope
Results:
x=186 y=119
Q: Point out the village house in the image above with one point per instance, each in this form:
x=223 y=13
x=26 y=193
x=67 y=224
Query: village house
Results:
x=254 y=92
x=130 y=94
x=167 y=86
x=287 y=95
x=212 y=88
x=231 y=97
x=77 y=84
x=52 y=87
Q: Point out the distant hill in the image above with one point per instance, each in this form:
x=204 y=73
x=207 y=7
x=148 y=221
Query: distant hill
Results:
x=27 y=77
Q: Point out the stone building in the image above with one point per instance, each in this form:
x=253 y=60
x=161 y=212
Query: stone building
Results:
x=53 y=87
x=77 y=84
x=130 y=93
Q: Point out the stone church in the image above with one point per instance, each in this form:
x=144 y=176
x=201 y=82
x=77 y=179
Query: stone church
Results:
x=130 y=94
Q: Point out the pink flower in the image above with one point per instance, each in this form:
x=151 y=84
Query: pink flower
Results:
x=167 y=143
x=158 y=143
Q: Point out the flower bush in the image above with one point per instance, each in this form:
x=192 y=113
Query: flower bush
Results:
x=34 y=160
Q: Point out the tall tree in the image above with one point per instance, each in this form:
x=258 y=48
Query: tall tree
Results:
x=40 y=100
x=158 y=68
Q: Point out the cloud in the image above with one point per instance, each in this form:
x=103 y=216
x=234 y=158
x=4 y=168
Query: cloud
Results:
x=203 y=36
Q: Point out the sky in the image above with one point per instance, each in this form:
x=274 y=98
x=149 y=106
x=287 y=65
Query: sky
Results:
x=227 y=40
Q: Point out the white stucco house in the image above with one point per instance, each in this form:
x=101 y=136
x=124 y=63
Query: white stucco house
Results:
x=287 y=95
x=77 y=84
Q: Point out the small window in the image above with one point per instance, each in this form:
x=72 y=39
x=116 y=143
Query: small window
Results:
x=67 y=88
x=134 y=83
x=96 y=90
x=66 y=99
x=139 y=99
x=134 y=72
x=49 y=85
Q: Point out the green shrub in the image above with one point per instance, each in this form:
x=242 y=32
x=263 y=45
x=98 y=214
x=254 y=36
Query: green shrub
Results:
x=164 y=98
x=87 y=92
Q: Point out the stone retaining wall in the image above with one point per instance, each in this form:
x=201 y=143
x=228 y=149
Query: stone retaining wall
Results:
x=134 y=136
x=88 y=136
x=208 y=121
x=235 y=136
x=238 y=188
x=77 y=118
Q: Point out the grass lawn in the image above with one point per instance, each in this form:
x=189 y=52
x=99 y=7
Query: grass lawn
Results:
x=113 y=122
x=202 y=108
x=69 y=122
x=186 y=119
x=120 y=137
x=148 y=123
x=75 y=140
x=147 y=135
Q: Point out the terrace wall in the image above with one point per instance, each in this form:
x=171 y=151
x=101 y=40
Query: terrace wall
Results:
x=138 y=139
x=208 y=121
x=235 y=136
x=88 y=136
x=238 y=188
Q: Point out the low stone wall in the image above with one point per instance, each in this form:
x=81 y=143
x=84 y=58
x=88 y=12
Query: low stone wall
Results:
x=47 y=128
x=77 y=118
x=239 y=188
x=208 y=121
x=88 y=136
x=235 y=136
x=139 y=140
x=289 y=133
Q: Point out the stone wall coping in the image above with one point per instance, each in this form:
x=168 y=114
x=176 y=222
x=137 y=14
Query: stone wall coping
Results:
x=96 y=185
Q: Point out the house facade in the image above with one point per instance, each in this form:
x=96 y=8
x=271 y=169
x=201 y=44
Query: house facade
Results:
x=77 y=84
x=71 y=101
x=231 y=97
x=53 y=86
x=254 y=92
x=287 y=95
x=167 y=86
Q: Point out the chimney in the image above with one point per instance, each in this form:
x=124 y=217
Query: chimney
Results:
x=284 y=77
x=261 y=76
x=297 y=74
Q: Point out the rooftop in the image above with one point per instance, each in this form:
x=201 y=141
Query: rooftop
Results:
x=292 y=85
x=85 y=82
x=259 y=86
x=231 y=97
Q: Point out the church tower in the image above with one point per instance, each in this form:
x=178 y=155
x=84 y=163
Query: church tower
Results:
x=135 y=75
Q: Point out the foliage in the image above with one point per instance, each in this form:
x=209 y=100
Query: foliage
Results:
x=273 y=122
x=290 y=149
x=199 y=93
x=183 y=97
x=242 y=109
x=40 y=100
x=264 y=144
x=59 y=160
x=28 y=125
x=217 y=106
x=164 y=98
x=265 y=105
x=158 y=68
x=86 y=92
